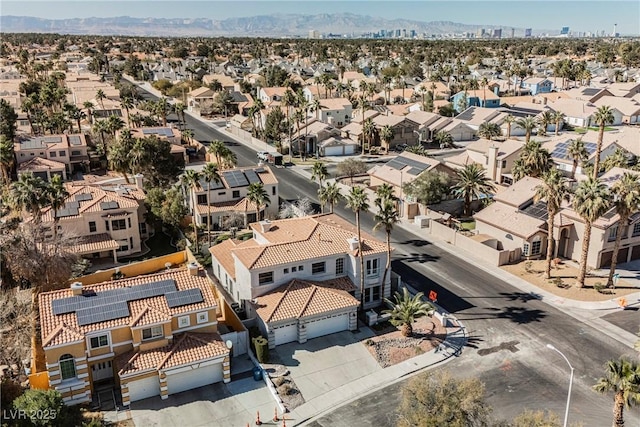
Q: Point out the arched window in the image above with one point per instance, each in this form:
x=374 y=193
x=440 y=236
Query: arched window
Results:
x=67 y=366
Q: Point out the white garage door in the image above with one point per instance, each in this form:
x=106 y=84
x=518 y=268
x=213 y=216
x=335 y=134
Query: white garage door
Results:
x=194 y=378
x=328 y=325
x=144 y=388
x=286 y=333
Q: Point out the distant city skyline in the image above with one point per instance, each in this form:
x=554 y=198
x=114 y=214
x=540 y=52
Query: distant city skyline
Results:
x=579 y=16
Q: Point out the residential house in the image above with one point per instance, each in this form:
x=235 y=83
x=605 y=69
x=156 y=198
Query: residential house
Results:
x=271 y=96
x=629 y=107
x=586 y=93
x=67 y=149
x=228 y=84
x=43 y=168
x=108 y=219
x=625 y=90
x=228 y=198
x=405 y=131
x=475 y=98
x=476 y=116
x=170 y=134
x=153 y=335
x=200 y=97
x=300 y=277
x=537 y=85
x=577 y=113
x=335 y=111
x=338 y=146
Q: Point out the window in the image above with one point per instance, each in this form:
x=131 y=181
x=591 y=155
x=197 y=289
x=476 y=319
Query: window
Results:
x=372 y=294
x=636 y=229
x=372 y=267
x=340 y=266
x=613 y=233
x=222 y=193
x=131 y=242
x=101 y=341
x=536 y=247
x=525 y=249
x=294 y=269
x=285 y=271
x=143 y=227
x=67 y=366
x=92 y=227
x=129 y=222
x=236 y=194
x=301 y=268
x=203 y=317
x=265 y=278
x=106 y=225
x=504 y=164
x=76 y=153
x=153 y=332
x=118 y=224
x=317 y=268
x=202 y=199
x=52 y=154
x=184 y=321
x=273 y=191
x=123 y=248
x=62 y=154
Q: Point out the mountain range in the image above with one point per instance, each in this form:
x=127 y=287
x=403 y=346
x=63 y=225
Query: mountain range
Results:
x=277 y=25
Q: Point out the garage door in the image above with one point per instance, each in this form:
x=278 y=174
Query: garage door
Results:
x=194 y=378
x=286 y=333
x=328 y=325
x=608 y=256
x=144 y=388
x=635 y=253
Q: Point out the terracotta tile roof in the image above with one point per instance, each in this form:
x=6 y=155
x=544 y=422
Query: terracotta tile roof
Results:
x=187 y=348
x=62 y=334
x=222 y=253
x=150 y=316
x=242 y=205
x=305 y=298
x=299 y=239
x=183 y=280
x=40 y=164
x=95 y=243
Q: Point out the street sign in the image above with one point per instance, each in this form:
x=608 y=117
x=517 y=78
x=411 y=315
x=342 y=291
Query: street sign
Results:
x=615 y=278
x=433 y=296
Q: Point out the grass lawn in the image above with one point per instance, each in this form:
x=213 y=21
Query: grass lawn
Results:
x=468 y=226
x=159 y=243
x=584 y=130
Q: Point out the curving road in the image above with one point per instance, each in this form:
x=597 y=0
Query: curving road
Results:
x=508 y=329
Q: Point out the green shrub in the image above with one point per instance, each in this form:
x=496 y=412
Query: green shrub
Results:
x=261 y=346
x=47 y=408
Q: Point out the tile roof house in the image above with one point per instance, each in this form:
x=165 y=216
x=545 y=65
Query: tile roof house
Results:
x=152 y=335
x=558 y=147
x=300 y=277
x=228 y=197
x=580 y=113
x=67 y=149
x=629 y=107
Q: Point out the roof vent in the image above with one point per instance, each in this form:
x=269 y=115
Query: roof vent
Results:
x=76 y=288
x=353 y=243
x=265 y=225
x=193 y=269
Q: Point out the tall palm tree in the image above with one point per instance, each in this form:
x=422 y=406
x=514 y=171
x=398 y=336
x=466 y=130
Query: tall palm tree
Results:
x=626 y=201
x=210 y=174
x=330 y=194
x=369 y=129
x=362 y=105
x=553 y=191
x=545 y=119
x=119 y=159
x=509 y=120
x=386 y=134
x=228 y=158
x=528 y=123
x=578 y=153
x=472 y=182
x=489 y=130
x=535 y=159
x=128 y=104
x=6 y=159
x=138 y=153
x=406 y=309
x=257 y=195
x=114 y=124
x=100 y=97
x=56 y=194
x=319 y=172
x=163 y=108
x=619 y=158
x=386 y=217
x=622 y=377
x=358 y=201
x=591 y=201
x=88 y=105
x=216 y=149
x=190 y=180
x=602 y=117
x=180 y=108
x=558 y=117
x=28 y=193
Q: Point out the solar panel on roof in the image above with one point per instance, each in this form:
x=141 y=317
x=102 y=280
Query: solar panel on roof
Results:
x=186 y=297
x=235 y=179
x=51 y=139
x=211 y=186
x=252 y=177
x=102 y=313
x=105 y=206
x=75 y=140
x=260 y=170
x=537 y=210
x=401 y=162
x=82 y=197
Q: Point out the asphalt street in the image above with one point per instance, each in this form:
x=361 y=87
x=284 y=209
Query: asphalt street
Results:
x=508 y=330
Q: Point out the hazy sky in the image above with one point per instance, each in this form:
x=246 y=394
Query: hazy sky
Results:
x=537 y=14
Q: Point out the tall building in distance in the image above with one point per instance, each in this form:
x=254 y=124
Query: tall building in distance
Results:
x=564 y=31
x=527 y=32
x=497 y=33
x=313 y=34
x=513 y=33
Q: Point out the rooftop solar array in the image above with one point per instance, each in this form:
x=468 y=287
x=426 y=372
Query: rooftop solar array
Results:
x=158 y=131
x=105 y=206
x=186 y=297
x=235 y=179
x=75 y=140
x=401 y=162
x=68 y=209
x=210 y=186
x=252 y=176
x=83 y=197
x=95 y=307
x=51 y=139
x=31 y=144
x=590 y=91
x=537 y=210
x=561 y=150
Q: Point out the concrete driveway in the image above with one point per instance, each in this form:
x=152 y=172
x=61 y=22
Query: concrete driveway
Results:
x=233 y=404
x=323 y=364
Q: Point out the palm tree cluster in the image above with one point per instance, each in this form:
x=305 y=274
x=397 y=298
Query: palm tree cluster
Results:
x=534 y=161
x=406 y=308
x=31 y=194
x=224 y=157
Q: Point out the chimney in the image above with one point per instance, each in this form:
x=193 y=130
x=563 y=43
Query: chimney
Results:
x=76 y=288
x=492 y=160
x=353 y=243
x=139 y=181
x=265 y=225
x=544 y=100
x=193 y=269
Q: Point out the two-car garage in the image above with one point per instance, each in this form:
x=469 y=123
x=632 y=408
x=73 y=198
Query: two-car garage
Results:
x=327 y=325
x=193 y=376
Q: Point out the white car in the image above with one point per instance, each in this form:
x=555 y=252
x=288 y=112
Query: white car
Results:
x=263 y=155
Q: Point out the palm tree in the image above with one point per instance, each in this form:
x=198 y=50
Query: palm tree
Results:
x=210 y=174
x=558 y=117
x=444 y=138
x=190 y=180
x=489 y=130
x=545 y=119
x=358 y=201
x=534 y=159
x=626 y=200
x=114 y=124
x=29 y=193
x=163 y=108
x=319 y=172
x=127 y=103
x=553 y=190
x=369 y=129
x=6 y=159
x=591 y=201
x=618 y=158
x=119 y=158
x=216 y=149
x=623 y=379
x=472 y=182
x=257 y=195
x=56 y=194
x=180 y=108
x=138 y=153
x=509 y=120
x=330 y=193
x=362 y=106
x=386 y=134
x=100 y=97
x=88 y=105
x=386 y=217
x=406 y=309
x=229 y=159
x=602 y=117
x=578 y=153
x=528 y=123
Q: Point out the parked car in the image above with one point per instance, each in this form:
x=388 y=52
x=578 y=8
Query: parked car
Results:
x=263 y=155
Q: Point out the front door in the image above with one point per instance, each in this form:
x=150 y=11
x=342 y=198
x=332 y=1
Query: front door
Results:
x=562 y=244
x=101 y=370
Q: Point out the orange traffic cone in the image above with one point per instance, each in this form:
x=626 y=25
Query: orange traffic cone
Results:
x=622 y=302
